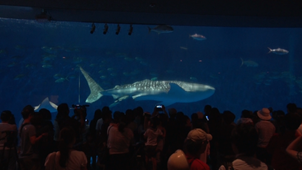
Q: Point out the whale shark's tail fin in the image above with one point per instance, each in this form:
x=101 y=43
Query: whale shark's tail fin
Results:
x=95 y=89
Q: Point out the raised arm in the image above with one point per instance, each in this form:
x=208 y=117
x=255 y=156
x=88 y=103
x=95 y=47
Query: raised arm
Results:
x=293 y=148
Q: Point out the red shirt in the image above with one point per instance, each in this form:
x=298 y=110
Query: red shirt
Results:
x=196 y=163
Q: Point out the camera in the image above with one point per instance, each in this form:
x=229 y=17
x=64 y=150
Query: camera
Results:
x=159 y=106
x=77 y=106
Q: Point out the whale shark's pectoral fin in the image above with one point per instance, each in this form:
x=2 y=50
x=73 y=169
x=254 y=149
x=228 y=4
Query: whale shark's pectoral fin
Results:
x=115 y=96
x=176 y=89
x=113 y=104
x=37 y=107
x=53 y=105
x=136 y=97
x=175 y=92
x=46 y=104
x=116 y=102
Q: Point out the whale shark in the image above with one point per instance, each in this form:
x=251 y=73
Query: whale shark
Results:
x=165 y=92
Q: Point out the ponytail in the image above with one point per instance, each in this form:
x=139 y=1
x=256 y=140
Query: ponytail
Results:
x=67 y=137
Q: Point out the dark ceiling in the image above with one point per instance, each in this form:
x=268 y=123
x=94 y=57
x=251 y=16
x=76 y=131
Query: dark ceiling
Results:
x=242 y=13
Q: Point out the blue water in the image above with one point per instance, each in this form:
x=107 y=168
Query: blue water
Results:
x=35 y=55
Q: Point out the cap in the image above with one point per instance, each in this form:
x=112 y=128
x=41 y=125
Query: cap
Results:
x=199 y=135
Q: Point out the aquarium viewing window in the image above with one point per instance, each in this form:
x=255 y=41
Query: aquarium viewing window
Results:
x=185 y=67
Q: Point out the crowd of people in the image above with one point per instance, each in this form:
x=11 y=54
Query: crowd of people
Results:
x=164 y=139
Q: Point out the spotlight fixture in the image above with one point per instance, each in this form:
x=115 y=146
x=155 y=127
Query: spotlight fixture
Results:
x=130 y=30
x=105 y=29
x=92 y=28
x=118 y=29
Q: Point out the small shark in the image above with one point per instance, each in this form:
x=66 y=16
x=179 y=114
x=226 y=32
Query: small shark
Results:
x=198 y=37
x=278 y=51
x=46 y=104
x=166 y=92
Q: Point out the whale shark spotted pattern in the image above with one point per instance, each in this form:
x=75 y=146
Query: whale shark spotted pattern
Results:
x=166 y=92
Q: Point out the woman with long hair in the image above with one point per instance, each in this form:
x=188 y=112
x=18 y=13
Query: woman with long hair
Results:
x=66 y=158
x=120 y=138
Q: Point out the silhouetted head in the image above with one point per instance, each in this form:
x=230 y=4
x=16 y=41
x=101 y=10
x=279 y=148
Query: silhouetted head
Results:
x=98 y=114
x=37 y=119
x=194 y=117
x=67 y=136
x=117 y=115
x=247 y=114
x=45 y=114
x=106 y=109
x=196 y=142
x=214 y=114
x=228 y=117
x=207 y=109
x=139 y=111
x=292 y=121
x=6 y=115
x=130 y=115
x=245 y=139
x=291 y=107
x=172 y=112
x=278 y=115
x=27 y=111
x=63 y=109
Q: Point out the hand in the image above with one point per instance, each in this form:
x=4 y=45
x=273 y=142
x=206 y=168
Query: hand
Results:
x=146 y=113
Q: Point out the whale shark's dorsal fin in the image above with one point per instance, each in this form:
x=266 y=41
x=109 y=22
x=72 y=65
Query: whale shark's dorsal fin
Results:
x=95 y=89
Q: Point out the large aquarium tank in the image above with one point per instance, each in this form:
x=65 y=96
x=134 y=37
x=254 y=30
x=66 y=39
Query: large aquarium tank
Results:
x=183 y=67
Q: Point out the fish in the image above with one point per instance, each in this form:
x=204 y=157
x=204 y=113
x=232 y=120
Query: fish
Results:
x=46 y=65
x=46 y=104
x=153 y=78
x=183 y=48
x=61 y=80
x=57 y=76
x=118 y=101
x=198 y=37
x=278 y=51
x=166 y=92
x=19 y=76
x=161 y=29
x=193 y=78
x=249 y=63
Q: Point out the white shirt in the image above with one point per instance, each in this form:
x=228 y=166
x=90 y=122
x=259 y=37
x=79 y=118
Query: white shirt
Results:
x=5 y=127
x=152 y=136
x=57 y=130
x=248 y=163
x=77 y=161
x=119 y=143
x=99 y=124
